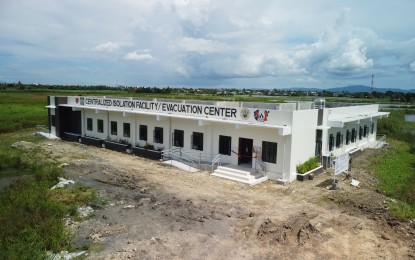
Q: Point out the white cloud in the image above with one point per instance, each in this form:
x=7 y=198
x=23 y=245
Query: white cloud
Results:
x=351 y=59
x=275 y=42
x=201 y=46
x=136 y=56
x=107 y=47
x=196 y=12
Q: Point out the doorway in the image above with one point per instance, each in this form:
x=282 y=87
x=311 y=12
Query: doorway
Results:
x=245 y=151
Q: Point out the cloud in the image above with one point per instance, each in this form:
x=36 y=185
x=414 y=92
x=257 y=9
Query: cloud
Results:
x=107 y=47
x=351 y=59
x=195 y=12
x=200 y=45
x=190 y=42
x=136 y=56
x=412 y=66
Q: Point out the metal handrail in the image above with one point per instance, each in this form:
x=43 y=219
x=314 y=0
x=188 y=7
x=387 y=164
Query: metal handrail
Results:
x=181 y=159
x=262 y=164
x=190 y=156
x=381 y=141
x=216 y=160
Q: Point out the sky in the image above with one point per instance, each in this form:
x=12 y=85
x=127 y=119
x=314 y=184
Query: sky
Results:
x=209 y=43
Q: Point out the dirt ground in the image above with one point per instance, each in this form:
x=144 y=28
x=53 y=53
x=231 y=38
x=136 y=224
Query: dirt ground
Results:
x=160 y=212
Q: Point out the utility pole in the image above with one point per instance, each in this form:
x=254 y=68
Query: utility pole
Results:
x=371 y=87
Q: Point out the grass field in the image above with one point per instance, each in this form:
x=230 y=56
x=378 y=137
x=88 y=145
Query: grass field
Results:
x=396 y=167
x=31 y=215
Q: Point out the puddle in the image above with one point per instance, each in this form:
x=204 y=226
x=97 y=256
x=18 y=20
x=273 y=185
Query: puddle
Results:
x=410 y=118
x=6 y=181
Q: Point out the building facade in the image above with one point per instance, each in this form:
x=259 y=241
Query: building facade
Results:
x=273 y=138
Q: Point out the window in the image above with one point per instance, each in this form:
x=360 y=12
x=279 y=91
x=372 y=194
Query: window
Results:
x=158 y=135
x=225 y=145
x=52 y=120
x=319 y=143
x=354 y=134
x=126 y=128
x=89 y=124
x=360 y=133
x=197 y=141
x=143 y=132
x=347 y=137
x=331 y=142
x=100 y=124
x=113 y=128
x=269 y=152
x=339 y=140
x=365 y=131
x=372 y=128
x=178 y=138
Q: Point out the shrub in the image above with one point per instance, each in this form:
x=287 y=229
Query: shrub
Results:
x=308 y=165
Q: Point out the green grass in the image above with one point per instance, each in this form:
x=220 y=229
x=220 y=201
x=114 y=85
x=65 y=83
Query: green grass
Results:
x=31 y=215
x=396 y=166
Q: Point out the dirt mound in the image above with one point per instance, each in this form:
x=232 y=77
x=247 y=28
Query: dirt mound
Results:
x=297 y=230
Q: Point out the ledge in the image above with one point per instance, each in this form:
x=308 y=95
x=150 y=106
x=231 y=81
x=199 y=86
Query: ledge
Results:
x=306 y=176
x=71 y=137
x=149 y=154
x=91 y=141
x=115 y=146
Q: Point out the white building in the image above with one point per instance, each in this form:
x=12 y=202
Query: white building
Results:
x=270 y=138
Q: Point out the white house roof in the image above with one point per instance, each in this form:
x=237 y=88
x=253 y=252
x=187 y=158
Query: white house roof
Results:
x=340 y=121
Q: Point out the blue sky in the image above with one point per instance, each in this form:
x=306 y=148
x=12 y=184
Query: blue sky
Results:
x=207 y=43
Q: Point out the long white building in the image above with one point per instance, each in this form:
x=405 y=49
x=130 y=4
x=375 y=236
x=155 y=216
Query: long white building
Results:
x=270 y=138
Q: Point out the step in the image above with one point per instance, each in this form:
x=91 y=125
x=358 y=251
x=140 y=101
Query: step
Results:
x=231 y=175
x=248 y=176
x=250 y=181
x=236 y=171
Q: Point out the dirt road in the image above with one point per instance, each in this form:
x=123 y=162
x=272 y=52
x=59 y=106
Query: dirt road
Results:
x=159 y=212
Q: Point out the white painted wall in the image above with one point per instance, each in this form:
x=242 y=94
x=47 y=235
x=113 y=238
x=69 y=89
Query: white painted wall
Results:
x=303 y=139
x=293 y=149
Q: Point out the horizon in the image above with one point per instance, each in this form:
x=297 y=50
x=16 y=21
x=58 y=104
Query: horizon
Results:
x=222 y=88
x=209 y=43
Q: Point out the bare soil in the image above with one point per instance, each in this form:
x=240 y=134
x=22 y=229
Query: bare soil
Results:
x=160 y=212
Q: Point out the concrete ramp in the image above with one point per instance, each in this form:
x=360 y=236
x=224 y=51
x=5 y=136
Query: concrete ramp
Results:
x=47 y=135
x=180 y=165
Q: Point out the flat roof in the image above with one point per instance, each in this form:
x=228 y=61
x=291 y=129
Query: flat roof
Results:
x=340 y=121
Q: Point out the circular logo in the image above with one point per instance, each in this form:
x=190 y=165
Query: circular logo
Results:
x=245 y=113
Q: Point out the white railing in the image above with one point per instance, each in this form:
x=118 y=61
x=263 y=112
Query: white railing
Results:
x=193 y=157
x=380 y=142
x=217 y=161
x=261 y=164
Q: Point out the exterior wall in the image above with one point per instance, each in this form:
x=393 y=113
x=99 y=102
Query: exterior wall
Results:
x=349 y=112
x=95 y=115
x=274 y=170
x=52 y=112
x=151 y=122
x=189 y=126
x=365 y=142
x=293 y=131
x=303 y=139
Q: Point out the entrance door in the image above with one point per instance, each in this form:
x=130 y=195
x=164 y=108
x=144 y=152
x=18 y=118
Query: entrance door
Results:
x=245 y=151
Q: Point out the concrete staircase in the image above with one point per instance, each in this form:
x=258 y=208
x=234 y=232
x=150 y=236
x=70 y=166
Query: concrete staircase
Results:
x=240 y=174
